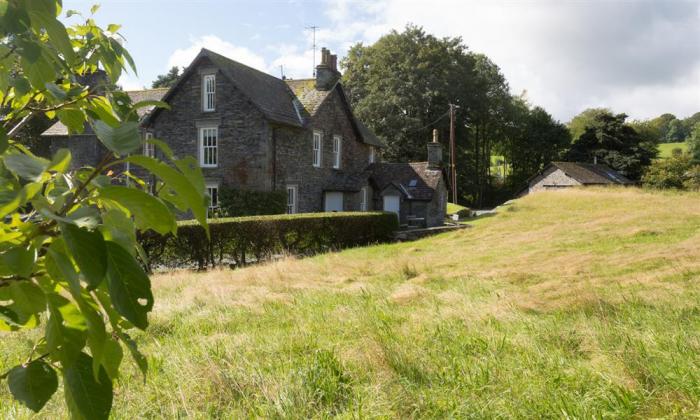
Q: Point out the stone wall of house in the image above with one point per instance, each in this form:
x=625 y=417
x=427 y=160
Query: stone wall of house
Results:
x=244 y=135
x=85 y=149
x=293 y=159
x=550 y=179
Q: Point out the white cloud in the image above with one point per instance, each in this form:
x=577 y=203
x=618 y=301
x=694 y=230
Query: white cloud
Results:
x=636 y=56
x=183 y=57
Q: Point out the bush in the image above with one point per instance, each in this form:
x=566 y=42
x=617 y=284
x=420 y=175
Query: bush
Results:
x=235 y=203
x=239 y=239
x=677 y=172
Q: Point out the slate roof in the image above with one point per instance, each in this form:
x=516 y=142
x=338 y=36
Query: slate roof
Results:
x=58 y=129
x=270 y=94
x=414 y=179
x=591 y=174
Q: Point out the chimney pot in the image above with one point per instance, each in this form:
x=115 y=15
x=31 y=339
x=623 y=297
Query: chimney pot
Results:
x=327 y=72
x=435 y=135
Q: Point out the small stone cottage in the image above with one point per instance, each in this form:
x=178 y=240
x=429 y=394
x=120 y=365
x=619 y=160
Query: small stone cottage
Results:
x=558 y=175
x=252 y=131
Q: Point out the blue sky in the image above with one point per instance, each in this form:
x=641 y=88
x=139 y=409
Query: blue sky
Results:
x=641 y=57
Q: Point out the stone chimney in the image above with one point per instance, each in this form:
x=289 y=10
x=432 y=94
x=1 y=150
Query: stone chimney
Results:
x=97 y=81
x=327 y=72
x=435 y=152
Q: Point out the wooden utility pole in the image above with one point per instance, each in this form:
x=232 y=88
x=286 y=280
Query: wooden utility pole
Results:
x=453 y=160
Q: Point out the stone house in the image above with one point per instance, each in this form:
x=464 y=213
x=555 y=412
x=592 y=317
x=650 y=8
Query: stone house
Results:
x=252 y=131
x=558 y=175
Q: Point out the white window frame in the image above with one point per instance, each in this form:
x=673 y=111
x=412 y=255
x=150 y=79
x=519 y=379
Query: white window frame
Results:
x=364 y=199
x=292 y=206
x=209 y=92
x=372 y=154
x=149 y=149
x=317 y=144
x=213 y=160
x=337 y=151
x=213 y=204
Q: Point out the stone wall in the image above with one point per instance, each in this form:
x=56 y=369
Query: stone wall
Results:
x=552 y=178
x=244 y=135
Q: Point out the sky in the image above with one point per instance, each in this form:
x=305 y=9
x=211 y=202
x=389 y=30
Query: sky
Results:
x=640 y=57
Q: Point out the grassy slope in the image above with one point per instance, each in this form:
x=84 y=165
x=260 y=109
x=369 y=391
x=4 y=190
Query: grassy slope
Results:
x=579 y=302
x=453 y=208
x=666 y=149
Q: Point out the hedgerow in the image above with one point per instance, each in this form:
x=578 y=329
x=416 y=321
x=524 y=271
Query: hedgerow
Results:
x=239 y=240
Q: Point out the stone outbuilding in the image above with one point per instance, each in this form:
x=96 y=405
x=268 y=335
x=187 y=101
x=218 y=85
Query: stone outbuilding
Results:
x=558 y=175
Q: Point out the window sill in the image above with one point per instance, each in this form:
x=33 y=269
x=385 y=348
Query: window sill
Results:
x=208 y=166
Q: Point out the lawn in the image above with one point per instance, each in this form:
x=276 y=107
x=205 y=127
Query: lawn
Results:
x=453 y=208
x=576 y=303
x=666 y=149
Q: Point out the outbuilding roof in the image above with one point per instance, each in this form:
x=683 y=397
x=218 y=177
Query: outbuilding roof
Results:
x=591 y=174
x=416 y=180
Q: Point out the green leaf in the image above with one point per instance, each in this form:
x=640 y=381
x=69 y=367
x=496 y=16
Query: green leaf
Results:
x=26 y=166
x=87 y=398
x=113 y=28
x=89 y=251
x=18 y=261
x=129 y=287
x=74 y=119
x=119 y=228
x=94 y=8
x=149 y=212
x=28 y=297
x=65 y=329
x=33 y=384
x=56 y=91
x=4 y=143
x=188 y=194
x=138 y=357
x=122 y=140
x=61 y=161
x=112 y=355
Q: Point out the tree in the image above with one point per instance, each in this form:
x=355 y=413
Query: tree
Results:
x=694 y=143
x=676 y=132
x=677 y=172
x=578 y=124
x=168 y=79
x=402 y=85
x=69 y=259
x=537 y=140
x=662 y=123
x=608 y=139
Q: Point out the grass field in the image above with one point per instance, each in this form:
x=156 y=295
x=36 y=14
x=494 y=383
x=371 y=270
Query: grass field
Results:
x=453 y=208
x=666 y=149
x=577 y=303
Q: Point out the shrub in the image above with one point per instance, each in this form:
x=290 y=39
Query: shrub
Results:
x=677 y=172
x=238 y=239
x=234 y=203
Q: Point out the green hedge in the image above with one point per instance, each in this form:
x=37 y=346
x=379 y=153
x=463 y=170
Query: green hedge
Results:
x=240 y=239
x=235 y=203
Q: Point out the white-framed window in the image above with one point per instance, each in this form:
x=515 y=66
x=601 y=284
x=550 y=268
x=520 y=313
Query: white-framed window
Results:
x=208 y=147
x=318 y=148
x=213 y=193
x=337 y=150
x=149 y=149
x=208 y=92
x=291 y=199
x=372 y=155
x=364 y=197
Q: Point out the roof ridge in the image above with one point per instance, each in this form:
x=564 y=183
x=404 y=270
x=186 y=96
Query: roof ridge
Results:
x=241 y=64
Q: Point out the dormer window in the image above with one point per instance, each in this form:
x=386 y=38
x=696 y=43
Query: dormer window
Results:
x=208 y=92
x=337 y=150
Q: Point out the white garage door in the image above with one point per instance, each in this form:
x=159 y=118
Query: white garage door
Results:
x=392 y=203
x=334 y=201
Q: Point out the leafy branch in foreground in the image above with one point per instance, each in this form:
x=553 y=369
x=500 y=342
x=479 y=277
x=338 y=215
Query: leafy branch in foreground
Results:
x=69 y=260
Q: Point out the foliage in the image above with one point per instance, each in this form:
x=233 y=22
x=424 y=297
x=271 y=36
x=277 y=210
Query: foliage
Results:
x=401 y=86
x=261 y=237
x=694 y=143
x=577 y=126
x=168 y=79
x=613 y=142
x=667 y=150
x=678 y=172
x=234 y=203
x=68 y=255
x=534 y=140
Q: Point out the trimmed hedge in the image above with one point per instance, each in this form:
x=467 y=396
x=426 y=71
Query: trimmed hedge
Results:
x=240 y=239
x=236 y=203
